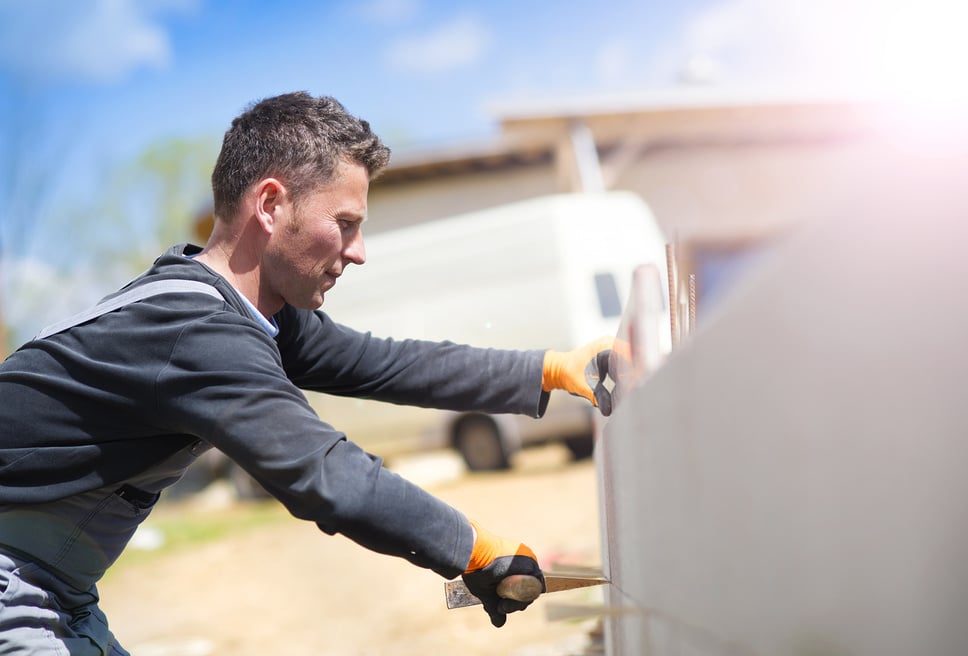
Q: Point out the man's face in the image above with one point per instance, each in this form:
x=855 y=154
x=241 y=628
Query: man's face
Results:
x=317 y=238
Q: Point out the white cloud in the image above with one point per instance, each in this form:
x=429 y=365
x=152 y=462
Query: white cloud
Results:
x=748 y=41
x=35 y=294
x=100 y=41
x=390 y=11
x=762 y=40
x=461 y=42
x=855 y=45
x=613 y=61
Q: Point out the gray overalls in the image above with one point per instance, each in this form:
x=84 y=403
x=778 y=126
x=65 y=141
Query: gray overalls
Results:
x=52 y=554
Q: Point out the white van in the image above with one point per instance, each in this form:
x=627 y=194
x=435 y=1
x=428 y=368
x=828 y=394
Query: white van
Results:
x=550 y=272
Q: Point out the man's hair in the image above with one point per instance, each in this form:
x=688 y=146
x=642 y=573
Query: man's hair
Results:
x=295 y=137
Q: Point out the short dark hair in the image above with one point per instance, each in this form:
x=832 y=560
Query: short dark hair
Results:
x=296 y=137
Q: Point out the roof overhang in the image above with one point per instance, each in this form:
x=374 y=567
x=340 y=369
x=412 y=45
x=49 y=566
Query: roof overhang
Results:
x=532 y=131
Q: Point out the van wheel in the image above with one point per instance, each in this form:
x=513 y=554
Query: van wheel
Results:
x=581 y=447
x=479 y=442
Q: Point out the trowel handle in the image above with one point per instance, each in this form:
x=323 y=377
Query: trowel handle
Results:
x=520 y=587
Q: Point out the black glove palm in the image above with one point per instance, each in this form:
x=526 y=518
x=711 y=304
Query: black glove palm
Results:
x=596 y=375
x=483 y=584
x=492 y=561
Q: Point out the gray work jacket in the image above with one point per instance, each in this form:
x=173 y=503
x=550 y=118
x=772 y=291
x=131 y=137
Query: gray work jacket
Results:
x=105 y=401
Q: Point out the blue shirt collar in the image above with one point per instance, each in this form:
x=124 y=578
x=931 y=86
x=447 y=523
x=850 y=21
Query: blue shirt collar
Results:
x=269 y=325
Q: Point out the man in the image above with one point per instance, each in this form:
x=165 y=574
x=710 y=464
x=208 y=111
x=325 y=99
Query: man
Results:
x=211 y=347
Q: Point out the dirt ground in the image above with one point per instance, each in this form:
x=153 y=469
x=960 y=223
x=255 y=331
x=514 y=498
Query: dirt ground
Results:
x=288 y=589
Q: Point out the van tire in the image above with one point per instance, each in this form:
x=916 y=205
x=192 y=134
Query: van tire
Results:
x=581 y=446
x=478 y=440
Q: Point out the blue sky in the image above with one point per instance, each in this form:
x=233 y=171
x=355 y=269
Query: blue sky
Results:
x=87 y=84
x=129 y=71
x=99 y=79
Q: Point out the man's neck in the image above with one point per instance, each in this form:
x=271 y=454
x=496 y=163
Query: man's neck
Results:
x=241 y=270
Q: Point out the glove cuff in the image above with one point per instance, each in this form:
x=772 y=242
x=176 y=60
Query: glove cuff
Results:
x=551 y=371
x=489 y=547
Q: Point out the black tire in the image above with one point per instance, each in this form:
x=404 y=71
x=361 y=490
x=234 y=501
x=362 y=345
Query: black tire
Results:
x=478 y=440
x=581 y=447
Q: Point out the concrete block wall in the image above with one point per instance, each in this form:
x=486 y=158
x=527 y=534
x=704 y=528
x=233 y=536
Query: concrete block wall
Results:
x=791 y=479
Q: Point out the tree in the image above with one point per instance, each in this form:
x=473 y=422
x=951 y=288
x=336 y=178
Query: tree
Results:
x=157 y=198
x=147 y=204
x=27 y=173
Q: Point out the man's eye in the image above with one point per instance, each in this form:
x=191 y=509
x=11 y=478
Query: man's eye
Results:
x=349 y=225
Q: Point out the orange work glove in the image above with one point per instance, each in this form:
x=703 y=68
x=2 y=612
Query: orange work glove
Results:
x=581 y=372
x=493 y=559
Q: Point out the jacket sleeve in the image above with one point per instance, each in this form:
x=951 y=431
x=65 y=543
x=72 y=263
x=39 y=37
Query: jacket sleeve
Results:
x=321 y=355
x=224 y=382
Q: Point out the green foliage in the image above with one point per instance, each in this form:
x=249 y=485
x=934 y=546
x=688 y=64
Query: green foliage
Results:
x=155 y=200
x=104 y=232
x=182 y=528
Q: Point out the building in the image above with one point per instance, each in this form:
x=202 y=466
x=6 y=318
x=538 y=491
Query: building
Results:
x=721 y=174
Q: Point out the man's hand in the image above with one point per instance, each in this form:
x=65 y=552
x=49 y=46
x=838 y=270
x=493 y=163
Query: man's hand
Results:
x=581 y=372
x=493 y=559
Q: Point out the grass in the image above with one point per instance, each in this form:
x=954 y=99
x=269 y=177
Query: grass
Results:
x=182 y=527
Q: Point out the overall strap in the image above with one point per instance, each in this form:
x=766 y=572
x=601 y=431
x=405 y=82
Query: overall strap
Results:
x=138 y=293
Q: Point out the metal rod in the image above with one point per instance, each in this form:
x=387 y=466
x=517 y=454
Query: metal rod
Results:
x=673 y=282
x=692 y=302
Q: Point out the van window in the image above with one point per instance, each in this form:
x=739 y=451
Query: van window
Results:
x=719 y=266
x=608 y=301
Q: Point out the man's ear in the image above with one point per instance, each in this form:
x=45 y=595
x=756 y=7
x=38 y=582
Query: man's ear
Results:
x=269 y=194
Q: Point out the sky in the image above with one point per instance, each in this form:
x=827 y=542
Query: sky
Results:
x=86 y=85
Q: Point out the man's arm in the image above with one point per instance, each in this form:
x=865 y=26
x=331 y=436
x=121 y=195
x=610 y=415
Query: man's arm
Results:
x=225 y=384
x=323 y=356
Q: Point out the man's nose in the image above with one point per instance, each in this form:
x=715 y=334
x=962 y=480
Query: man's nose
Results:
x=355 y=250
